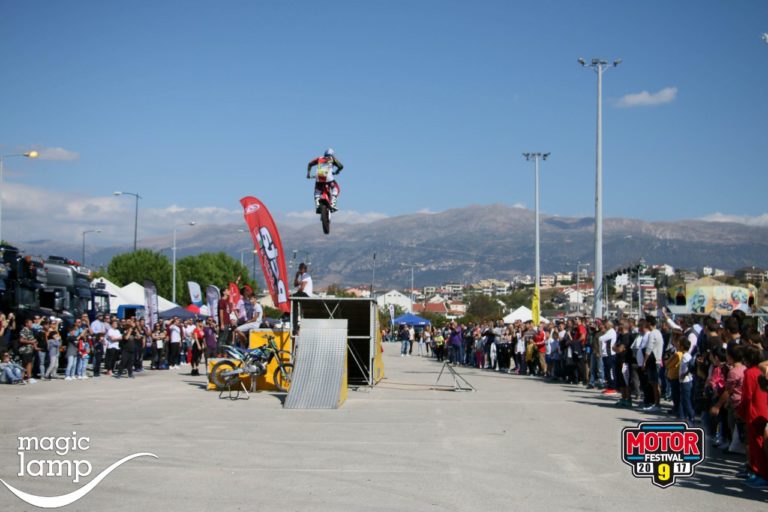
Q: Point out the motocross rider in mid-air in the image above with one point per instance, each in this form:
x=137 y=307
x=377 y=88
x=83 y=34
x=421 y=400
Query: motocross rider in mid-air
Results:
x=328 y=166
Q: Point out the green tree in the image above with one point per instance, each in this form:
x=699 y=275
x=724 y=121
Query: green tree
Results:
x=518 y=298
x=484 y=308
x=436 y=319
x=209 y=268
x=140 y=265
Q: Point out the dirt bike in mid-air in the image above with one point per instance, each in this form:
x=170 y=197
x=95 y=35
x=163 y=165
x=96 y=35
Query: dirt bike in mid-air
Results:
x=324 y=204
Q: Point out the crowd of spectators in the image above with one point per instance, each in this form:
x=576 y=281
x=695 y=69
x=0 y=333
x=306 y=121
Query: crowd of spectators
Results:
x=44 y=350
x=705 y=371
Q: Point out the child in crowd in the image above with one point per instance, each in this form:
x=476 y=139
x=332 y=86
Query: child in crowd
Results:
x=714 y=387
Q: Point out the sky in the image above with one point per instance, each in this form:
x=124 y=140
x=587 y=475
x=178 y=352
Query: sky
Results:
x=428 y=103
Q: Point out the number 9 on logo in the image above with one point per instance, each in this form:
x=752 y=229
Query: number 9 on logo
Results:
x=663 y=472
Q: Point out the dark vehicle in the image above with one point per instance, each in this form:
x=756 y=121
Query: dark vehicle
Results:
x=69 y=291
x=24 y=283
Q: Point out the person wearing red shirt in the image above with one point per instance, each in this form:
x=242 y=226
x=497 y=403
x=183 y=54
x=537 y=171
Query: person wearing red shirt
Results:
x=540 y=339
x=753 y=409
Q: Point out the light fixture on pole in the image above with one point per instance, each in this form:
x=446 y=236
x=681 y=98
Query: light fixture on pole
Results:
x=536 y=157
x=28 y=154
x=85 y=233
x=173 y=280
x=135 y=217
x=599 y=66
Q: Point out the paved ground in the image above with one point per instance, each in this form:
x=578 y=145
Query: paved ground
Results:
x=516 y=442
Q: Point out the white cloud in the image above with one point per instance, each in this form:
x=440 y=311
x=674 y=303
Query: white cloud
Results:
x=32 y=213
x=520 y=206
x=757 y=220
x=60 y=154
x=647 y=99
x=426 y=211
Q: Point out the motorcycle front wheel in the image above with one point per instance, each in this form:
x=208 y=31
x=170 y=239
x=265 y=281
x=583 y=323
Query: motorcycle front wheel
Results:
x=325 y=218
x=282 y=377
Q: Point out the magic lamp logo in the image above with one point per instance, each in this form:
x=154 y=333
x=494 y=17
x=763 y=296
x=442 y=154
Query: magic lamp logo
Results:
x=59 y=457
x=662 y=452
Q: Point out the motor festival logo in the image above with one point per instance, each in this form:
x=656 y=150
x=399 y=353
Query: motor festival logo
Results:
x=662 y=451
x=62 y=458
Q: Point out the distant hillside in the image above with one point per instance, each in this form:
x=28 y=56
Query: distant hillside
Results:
x=468 y=244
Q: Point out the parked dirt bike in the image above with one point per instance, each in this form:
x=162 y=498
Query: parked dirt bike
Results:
x=324 y=206
x=253 y=363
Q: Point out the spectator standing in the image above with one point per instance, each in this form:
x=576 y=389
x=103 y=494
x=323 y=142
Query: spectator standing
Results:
x=753 y=409
x=210 y=335
x=174 y=345
x=608 y=340
x=225 y=315
x=128 y=347
x=143 y=340
x=113 y=338
x=198 y=344
x=159 y=338
x=404 y=336
x=71 y=353
x=27 y=345
x=653 y=359
x=99 y=330
x=454 y=343
x=54 y=347
x=686 y=412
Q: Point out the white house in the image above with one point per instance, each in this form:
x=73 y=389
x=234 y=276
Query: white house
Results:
x=396 y=298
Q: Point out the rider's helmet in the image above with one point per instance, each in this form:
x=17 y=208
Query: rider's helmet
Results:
x=329 y=152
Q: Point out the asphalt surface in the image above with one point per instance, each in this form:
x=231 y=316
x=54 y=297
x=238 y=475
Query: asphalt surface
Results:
x=516 y=443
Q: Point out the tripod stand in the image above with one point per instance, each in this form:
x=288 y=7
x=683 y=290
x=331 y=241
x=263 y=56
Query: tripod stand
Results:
x=457 y=379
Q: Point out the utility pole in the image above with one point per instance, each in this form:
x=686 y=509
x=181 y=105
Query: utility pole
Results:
x=536 y=157
x=599 y=66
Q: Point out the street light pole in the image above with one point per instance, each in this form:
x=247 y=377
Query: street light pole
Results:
x=85 y=233
x=599 y=66
x=173 y=280
x=373 y=276
x=135 y=215
x=536 y=158
x=29 y=154
x=579 y=294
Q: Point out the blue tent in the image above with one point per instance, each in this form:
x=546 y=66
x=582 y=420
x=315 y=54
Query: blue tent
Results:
x=411 y=319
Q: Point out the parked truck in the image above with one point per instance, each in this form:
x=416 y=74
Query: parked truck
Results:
x=58 y=286
x=23 y=283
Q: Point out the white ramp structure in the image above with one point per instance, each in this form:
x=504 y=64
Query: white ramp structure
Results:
x=320 y=368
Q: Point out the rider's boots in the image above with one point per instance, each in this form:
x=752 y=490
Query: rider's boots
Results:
x=333 y=203
x=317 y=204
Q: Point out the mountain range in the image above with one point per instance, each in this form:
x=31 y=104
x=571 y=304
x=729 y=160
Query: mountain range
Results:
x=465 y=245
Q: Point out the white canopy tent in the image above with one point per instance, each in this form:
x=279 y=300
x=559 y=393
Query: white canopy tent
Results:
x=132 y=293
x=523 y=314
x=135 y=293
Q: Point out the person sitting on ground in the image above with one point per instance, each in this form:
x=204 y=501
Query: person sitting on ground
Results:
x=10 y=372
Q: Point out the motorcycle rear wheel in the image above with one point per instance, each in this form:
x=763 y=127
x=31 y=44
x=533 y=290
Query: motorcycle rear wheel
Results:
x=216 y=377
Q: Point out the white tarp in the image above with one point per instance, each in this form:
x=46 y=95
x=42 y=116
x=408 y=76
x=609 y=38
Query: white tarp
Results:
x=132 y=293
x=523 y=314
